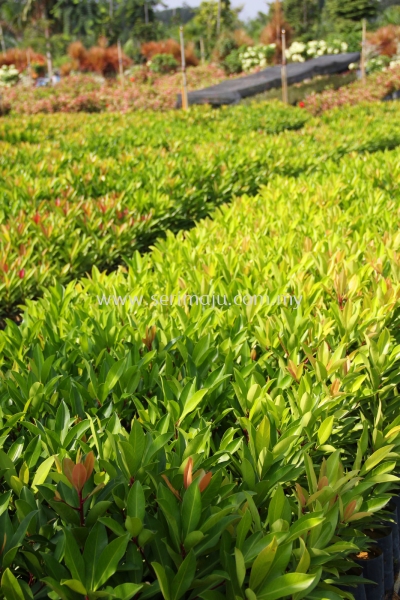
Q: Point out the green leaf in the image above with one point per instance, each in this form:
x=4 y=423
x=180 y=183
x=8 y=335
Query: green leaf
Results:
x=375 y=459
x=42 y=472
x=137 y=441
x=192 y=403
x=73 y=557
x=113 y=377
x=162 y=579
x=109 y=559
x=191 y=509
x=276 y=506
x=192 y=539
x=134 y=526
x=126 y=591
x=11 y=587
x=262 y=565
x=75 y=586
x=303 y=525
x=136 y=502
x=325 y=430
x=284 y=586
x=240 y=567
x=96 y=542
x=183 y=579
x=98 y=510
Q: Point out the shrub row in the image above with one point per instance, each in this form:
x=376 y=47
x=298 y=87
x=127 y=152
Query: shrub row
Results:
x=69 y=202
x=165 y=450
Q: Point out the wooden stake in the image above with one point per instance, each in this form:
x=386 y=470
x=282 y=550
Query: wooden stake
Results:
x=28 y=60
x=185 y=104
x=121 y=67
x=3 y=43
x=364 y=50
x=48 y=48
x=146 y=13
x=283 y=70
x=202 y=51
x=219 y=18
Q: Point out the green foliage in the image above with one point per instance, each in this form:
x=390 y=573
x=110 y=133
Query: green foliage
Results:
x=233 y=62
x=176 y=450
x=344 y=16
x=304 y=16
x=205 y=22
x=163 y=63
x=70 y=202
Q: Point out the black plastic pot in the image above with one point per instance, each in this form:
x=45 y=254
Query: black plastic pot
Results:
x=383 y=538
x=396 y=501
x=394 y=526
x=373 y=569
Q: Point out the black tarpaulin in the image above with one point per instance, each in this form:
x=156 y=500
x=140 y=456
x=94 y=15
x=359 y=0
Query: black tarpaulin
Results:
x=233 y=90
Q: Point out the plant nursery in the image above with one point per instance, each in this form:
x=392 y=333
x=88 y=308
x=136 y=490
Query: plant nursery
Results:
x=199 y=354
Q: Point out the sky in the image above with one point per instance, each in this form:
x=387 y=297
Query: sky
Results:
x=251 y=7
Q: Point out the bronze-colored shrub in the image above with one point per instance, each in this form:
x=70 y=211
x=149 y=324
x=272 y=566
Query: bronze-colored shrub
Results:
x=19 y=58
x=98 y=59
x=242 y=38
x=386 y=39
x=172 y=47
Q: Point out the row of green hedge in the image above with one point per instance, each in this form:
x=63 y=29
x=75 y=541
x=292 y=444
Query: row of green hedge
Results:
x=166 y=451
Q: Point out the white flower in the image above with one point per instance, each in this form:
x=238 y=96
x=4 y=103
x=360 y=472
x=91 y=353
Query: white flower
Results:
x=336 y=51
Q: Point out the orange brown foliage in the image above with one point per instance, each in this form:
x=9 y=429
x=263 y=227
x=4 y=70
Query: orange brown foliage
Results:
x=242 y=38
x=171 y=47
x=98 y=59
x=19 y=58
x=386 y=39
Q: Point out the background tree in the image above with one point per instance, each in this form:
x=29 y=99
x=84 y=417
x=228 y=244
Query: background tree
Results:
x=205 y=23
x=304 y=17
x=342 y=14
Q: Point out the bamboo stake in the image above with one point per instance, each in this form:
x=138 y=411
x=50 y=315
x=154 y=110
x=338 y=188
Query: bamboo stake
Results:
x=185 y=104
x=202 y=51
x=28 y=61
x=363 y=50
x=3 y=43
x=283 y=70
x=48 y=49
x=121 y=67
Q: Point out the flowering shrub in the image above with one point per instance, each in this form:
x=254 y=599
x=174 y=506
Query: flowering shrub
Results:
x=8 y=76
x=87 y=93
x=257 y=56
x=300 y=52
x=374 y=89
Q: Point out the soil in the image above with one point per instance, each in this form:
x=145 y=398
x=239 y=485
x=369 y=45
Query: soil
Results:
x=373 y=552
